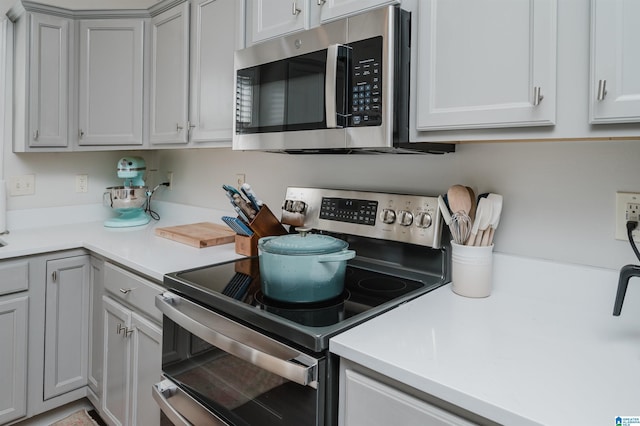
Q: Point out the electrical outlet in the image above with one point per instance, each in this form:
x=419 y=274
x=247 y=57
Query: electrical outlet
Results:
x=82 y=183
x=627 y=209
x=22 y=185
x=240 y=179
x=170 y=180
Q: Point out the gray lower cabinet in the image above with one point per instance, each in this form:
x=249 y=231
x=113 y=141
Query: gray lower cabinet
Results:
x=13 y=353
x=66 y=325
x=368 y=398
x=132 y=349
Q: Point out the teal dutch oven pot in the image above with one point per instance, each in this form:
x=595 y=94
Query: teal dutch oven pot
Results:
x=304 y=267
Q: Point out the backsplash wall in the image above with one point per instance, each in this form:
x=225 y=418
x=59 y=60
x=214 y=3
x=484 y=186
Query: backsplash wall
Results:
x=559 y=196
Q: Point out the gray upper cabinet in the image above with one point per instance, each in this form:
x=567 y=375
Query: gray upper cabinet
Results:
x=42 y=71
x=192 y=81
x=273 y=18
x=615 y=62
x=335 y=9
x=486 y=64
x=111 y=82
x=169 y=75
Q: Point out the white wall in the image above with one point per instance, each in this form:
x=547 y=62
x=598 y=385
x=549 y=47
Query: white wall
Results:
x=559 y=197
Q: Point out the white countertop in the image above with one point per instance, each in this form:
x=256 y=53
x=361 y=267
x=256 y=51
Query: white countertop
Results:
x=544 y=348
x=137 y=247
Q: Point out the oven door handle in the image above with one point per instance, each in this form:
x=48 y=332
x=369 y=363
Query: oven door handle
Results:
x=233 y=338
x=193 y=413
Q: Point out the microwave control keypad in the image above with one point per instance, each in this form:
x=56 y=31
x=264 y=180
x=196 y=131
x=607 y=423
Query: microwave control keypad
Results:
x=366 y=77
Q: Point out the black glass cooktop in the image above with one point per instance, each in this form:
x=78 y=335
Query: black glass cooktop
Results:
x=234 y=289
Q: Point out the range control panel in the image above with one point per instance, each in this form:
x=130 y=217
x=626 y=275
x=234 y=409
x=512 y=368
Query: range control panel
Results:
x=405 y=218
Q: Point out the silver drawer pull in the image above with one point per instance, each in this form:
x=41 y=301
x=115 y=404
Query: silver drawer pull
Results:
x=537 y=96
x=295 y=9
x=126 y=290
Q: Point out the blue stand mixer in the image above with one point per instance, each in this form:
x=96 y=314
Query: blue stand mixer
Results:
x=128 y=200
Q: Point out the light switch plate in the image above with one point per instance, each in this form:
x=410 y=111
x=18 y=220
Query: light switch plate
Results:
x=22 y=185
x=627 y=209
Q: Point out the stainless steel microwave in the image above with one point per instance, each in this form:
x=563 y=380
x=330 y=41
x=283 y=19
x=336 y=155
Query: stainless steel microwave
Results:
x=341 y=87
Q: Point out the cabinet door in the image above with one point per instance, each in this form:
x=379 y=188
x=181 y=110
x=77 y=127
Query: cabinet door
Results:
x=96 y=344
x=170 y=76
x=13 y=353
x=369 y=402
x=49 y=81
x=146 y=364
x=333 y=9
x=273 y=18
x=116 y=372
x=66 y=325
x=214 y=38
x=110 y=92
x=615 y=61
x=486 y=64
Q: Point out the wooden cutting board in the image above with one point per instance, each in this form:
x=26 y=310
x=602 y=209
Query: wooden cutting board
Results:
x=200 y=235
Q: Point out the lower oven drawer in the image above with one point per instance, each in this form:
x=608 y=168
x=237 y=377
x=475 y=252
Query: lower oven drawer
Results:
x=180 y=408
x=236 y=374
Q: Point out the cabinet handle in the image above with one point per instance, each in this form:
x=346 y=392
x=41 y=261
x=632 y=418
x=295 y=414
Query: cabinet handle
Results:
x=537 y=96
x=126 y=290
x=127 y=332
x=54 y=276
x=178 y=128
x=80 y=133
x=602 y=89
x=36 y=135
x=295 y=10
x=321 y=2
x=120 y=329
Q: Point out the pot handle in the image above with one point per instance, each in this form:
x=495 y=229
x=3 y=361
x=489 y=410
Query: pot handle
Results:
x=337 y=257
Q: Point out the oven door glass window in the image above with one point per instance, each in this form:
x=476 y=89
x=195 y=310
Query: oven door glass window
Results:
x=235 y=390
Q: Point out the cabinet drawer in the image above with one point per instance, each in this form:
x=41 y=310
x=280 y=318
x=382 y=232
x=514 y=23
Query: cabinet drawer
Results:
x=136 y=291
x=14 y=276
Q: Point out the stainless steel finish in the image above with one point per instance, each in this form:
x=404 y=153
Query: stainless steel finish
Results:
x=54 y=276
x=423 y=220
x=178 y=128
x=181 y=408
x=120 y=328
x=125 y=197
x=388 y=216
x=330 y=86
x=295 y=10
x=392 y=209
x=125 y=290
x=537 y=96
x=127 y=332
x=36 y=135
x=360 y=27
x=602 y=89
x=321 y=2
x=240 y=341
x=80 y=133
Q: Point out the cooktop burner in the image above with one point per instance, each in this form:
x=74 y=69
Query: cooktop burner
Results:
x=234 y=289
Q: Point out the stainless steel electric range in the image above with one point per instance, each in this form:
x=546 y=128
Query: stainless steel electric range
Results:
x=233 y=356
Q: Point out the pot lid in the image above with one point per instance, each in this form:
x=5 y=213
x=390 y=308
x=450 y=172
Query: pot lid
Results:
x=302 y=244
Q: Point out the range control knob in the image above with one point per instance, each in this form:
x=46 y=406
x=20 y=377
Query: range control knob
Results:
x=423 y=220
x=388 y=216
x=405 y=218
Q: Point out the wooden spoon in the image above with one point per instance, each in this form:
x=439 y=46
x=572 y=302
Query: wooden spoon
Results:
x=472 y=195
x=459 y=199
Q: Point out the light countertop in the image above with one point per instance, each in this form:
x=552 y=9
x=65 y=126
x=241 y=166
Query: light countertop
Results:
x=544 y=348
x=137 y=247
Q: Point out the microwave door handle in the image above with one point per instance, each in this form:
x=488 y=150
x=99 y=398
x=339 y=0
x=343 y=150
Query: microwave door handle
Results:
x=193 y=413
x=196 y=319
x=331 y=81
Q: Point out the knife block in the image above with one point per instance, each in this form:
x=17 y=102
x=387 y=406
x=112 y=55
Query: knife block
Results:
x=265 y=224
